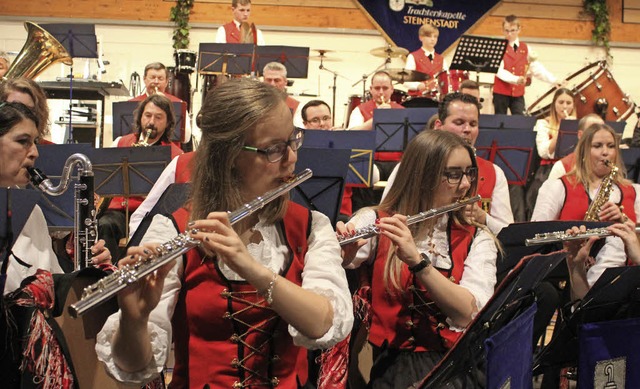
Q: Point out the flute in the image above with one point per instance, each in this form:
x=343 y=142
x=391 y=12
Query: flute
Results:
x=372 y=230
x=561 y=236
x=99 y=292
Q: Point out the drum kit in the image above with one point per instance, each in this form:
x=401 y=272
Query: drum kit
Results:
x=595 y=91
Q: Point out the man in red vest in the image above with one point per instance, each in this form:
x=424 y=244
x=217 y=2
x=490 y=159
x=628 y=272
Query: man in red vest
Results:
x=426 y=60
x=275 y=73
x=230 y=32
x=381 y=90
x=154 y=119
x=518 y=61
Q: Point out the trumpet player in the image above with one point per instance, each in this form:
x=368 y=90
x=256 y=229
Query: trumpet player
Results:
x=154 y=119
x=381 y=90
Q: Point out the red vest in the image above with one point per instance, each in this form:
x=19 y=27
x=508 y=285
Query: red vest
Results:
x=292 y=104
x=576 y=200
x=366 y=109
x=171 y=97
x=118 y=203
x=486 y=182
x=184 y=167
x=232 y=31
x=405 y=321
x=425 y=65
x=223 y=331
x=569 y=162
x=517 y=63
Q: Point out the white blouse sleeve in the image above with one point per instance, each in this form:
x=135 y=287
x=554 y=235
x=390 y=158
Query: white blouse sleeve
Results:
x=612 y=254
x=390 y=180
x=542 y=139
x=159 y=327
x=550 y=201
x=501 y=214
x=324 y=275
x=479 y=276
x=364 y=217
x=557 y=171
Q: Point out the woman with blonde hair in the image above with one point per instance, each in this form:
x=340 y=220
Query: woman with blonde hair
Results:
x=429 y=279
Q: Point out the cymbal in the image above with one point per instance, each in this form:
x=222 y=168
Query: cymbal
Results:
x=323 y=58
x=389 y=51
x=323 y=51
x=402 y=75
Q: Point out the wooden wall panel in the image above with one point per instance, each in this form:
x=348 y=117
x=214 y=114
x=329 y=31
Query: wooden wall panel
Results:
x=547 y=19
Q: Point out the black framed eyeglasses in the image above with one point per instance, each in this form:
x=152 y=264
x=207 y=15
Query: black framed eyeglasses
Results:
x=276 y=152
x=454 y=175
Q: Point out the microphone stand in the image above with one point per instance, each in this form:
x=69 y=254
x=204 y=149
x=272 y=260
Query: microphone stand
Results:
x=333 y=88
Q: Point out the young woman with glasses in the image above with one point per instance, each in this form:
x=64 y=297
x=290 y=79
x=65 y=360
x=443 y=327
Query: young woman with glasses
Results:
x=429 y=279
x=245 y=304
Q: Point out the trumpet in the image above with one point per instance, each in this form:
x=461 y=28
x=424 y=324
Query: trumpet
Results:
x=101 y=291
x=144 y=138
x=372 y=230
x=561 y=236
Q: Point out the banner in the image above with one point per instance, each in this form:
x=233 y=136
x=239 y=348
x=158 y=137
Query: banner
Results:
x=401 y=19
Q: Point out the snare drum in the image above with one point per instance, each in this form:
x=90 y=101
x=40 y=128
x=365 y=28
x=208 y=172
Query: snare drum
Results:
x=449 y=81
x=595 y=89
x=185 y=60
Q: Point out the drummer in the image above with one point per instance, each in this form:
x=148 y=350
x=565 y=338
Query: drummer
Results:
x=231 y=32
x=381 y=90
x=426 y=60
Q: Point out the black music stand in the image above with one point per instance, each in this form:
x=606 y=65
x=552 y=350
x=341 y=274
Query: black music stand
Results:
x=123 y=120
x=361 y=144
x=58 y=210
x=508 y=141
x=323 y=191
x=128 y=171
x=614 y=295
x=295 y=59
x=395 y=128
x=16 y=206
x=512 y=297
x=80 y=41
x=631 y=158
x=172 y=199
x=225 y=58
x=479 y=53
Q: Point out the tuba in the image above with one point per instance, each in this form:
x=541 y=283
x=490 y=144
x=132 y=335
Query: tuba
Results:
x=40 y=51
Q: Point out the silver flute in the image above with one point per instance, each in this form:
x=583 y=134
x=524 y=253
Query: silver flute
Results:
x=99 y=292
x=562 y=236
x=372 y=230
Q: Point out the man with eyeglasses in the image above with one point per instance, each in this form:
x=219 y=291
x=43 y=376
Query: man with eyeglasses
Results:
x=459 y=113
x=518 y=65
x=316 y=115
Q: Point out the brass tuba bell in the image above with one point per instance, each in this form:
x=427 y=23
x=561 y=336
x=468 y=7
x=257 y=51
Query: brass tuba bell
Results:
x=40 y=50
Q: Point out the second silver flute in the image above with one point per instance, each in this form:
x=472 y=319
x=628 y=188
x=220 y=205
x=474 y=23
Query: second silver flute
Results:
x=97 y=293
x=562 y=236
x=371 y=230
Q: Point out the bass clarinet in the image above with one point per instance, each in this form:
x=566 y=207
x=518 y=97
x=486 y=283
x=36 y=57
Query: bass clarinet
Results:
x=372 y=230
x=85 y=231
x=99 y=292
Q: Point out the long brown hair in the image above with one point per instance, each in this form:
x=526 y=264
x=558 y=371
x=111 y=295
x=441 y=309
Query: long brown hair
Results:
x=554 y=119
x=228 y=114
x=583 y=170
x=414 y=189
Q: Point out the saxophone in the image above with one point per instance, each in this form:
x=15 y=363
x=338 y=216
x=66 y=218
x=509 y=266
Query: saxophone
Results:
x=101 y=291
x=603 y=194
x=85 y=231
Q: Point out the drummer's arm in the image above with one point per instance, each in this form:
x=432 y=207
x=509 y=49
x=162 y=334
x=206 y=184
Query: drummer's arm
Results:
x=411 y=65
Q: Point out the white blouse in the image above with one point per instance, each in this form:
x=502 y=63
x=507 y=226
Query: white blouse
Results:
x=323 y=274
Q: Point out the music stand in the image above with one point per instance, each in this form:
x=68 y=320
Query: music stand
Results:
x=16 y=206
x=631 y=159
x=295 y=59
x=80 y=41
x=323 y=191
x=123 y=119
x=568 y=135
x=479 y=53
x=172 y=199
x=361 y=144
x=225 y=58
x=395 y=128
x=512 y=296
x=614 y=295
x=508 y=142
x=58 y=210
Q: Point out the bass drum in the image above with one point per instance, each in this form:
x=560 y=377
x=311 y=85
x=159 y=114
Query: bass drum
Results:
x=595 y=91
x=185 y=60
x=179 y=85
